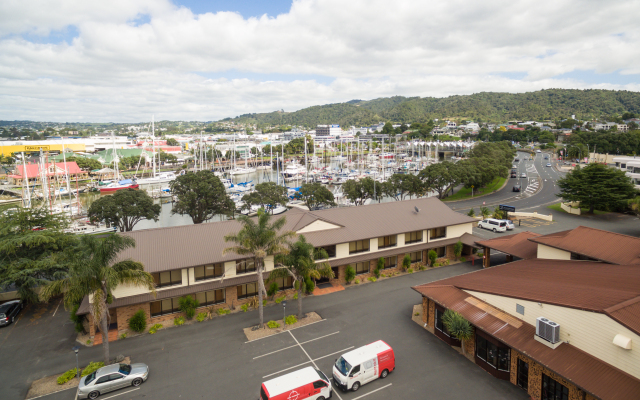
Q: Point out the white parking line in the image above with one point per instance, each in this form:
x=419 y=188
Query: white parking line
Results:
x=119 y=394
x=54 y=313
x=373 y=391
x=310 y=361
x=295 y=345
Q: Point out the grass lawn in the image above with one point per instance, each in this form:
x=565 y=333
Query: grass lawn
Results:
x=582 y=210
x=465 y=193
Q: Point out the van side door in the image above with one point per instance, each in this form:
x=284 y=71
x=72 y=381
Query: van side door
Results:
x=354 y=375
x=318 y=386
x=369 y=372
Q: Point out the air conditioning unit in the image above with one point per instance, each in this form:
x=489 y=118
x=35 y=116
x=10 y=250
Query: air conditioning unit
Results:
x=548 y=330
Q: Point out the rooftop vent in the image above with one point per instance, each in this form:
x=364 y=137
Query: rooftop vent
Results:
x=548 y=330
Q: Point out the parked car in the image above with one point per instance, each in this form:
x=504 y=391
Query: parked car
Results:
x=363 y=365
x=307 y=383
x=110 y=378
x=492 y=224
x=538 y=151
x=517 y=188
x=548 y=164
x=523 y=175
x=9 y=311
x=510 y=224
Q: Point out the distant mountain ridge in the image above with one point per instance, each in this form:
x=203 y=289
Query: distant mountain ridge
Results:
x=549 y=104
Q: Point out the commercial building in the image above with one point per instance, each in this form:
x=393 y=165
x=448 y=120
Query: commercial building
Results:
x=328 y=130
x=188 y=260
x=631 y=166
x=561 y=323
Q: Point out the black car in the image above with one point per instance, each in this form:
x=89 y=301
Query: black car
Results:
x=516 y=188
x=517 y=159
x=9 y=311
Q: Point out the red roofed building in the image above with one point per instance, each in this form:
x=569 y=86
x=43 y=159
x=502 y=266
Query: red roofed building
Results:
x=53 y=169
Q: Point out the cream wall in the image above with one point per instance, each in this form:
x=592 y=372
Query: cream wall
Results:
x=455 y=231
x=318 y=225
x=229 y=269
x=342 y=250
x=129 y=290
x=552 y=253
x=591 y=332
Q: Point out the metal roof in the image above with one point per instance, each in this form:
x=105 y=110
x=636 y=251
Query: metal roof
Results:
x=517 y=245
x=585 y=371
x=610 y=247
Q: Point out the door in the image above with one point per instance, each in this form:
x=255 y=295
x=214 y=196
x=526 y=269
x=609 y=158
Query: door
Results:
x=117 y=381
x=355 y=376
x=318 y=386
x=102 y=385
x=368 y=372
x=523 y=374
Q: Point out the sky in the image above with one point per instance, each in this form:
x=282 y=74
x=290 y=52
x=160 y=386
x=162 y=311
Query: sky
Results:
x=129 y=60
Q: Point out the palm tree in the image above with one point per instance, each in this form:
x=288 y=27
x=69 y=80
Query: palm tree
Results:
x=457 y=326
x=259 y=238
x=299 y=263
x=94 y=272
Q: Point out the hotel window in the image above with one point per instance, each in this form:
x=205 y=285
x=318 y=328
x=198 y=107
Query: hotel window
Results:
x=497 y=357
x=331 y=250
x=359 y=246
x=416 y=256
x=387 y=241
x=362 y=267
x=413 y=237
x=162 y=307
x=210 y=297
x=167 y=278
x=284 y=282
x=245 y=266
x=553 y=390
x=439 y=324
x=438 y=233
x=523 y=374
x=440 y=251
x=248 y=290
x=209 y=271
x=390 y=262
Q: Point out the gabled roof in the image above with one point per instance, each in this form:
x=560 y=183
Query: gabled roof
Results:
x=610 y=247
x=33 y=170
x=517 y=245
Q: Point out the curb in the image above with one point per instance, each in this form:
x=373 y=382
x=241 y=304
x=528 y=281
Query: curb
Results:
x=477 y=197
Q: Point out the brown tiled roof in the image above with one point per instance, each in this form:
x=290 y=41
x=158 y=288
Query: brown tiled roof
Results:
x=467 y=239
x=585 y=371
x=175 y=292
x=163 y=249
x=627 y=313
x=610 y=247
x=517 y=245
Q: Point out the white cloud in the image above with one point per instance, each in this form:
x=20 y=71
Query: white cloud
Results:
x=118 y=70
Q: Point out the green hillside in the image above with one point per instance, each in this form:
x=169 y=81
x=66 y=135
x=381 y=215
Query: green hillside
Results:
x=551 y=104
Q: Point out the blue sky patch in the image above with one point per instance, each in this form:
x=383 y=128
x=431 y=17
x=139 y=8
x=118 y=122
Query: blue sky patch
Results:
x=246 y=8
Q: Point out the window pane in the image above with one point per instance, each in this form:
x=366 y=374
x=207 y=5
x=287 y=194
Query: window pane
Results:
x=156 y=278
x=176 y=276
x=199 y=273
x=202 y=298
x=166 y=306
x=352 y=247
x=504 y=359
x=156 y=308
x=492 y=354
x=219 y=270
x=250 y=265
x=176 y=304
x=241 y=291
x=165 y=278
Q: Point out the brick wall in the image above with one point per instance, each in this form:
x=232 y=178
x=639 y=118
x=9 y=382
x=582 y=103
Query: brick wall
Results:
x=470 y=346
x=125 y=313
x=432 y=314
x=535 y=378
x=425 y=309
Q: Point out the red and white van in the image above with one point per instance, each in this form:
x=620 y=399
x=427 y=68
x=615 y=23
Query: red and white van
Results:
x=308 y=383
x=363 y=365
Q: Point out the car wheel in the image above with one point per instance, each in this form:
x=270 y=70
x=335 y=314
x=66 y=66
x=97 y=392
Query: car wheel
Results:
x=93 y=395
x=355 y=386
x=13 y=319
x=494 y=230
x=384 y=374
x=320 y=398
x=136 y=382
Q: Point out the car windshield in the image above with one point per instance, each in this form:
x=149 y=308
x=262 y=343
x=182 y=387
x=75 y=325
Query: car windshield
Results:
x=90 y=378
x=125 y=369
x=343 y=366
x=322 y=375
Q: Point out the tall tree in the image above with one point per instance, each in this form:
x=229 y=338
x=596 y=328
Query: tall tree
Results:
x=267 y=195
x=259 y=238
x=201 y=195
x=359 y=191
x=32 y=242
x=401 y=186
x=94 y=271
x=597 y=186
x=316 y=195
x=124 y=209
x=440 y=177
x=172 y=142
x=300 y=264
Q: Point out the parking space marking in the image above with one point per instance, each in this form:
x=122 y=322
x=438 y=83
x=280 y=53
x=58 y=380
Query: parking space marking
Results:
x=310 y=361
x=295 y=345
x=119 y=394
x=373 y=391
x=54 y=313
x=254 y=340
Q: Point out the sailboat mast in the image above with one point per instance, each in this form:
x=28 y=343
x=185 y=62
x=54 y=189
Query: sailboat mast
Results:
x=153 y=138
x=306 y=167
x=66 y=177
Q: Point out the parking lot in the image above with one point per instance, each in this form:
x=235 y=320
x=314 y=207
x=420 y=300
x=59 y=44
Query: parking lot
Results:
x=213 y=359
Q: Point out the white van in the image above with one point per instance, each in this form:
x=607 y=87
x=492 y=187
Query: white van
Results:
x=492 y=224
x=363 y=365
x=307 y=383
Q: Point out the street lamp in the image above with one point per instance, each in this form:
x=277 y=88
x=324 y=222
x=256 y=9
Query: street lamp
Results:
x=76 y=349
x=284 y=313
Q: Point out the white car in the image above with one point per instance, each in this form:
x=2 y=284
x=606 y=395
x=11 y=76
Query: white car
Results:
x=538 y=151
x=492 y=224
x=509 y=223
x=548 y=164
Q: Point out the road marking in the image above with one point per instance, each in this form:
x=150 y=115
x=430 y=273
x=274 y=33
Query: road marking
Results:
x=119 y=394
x=373 y=391
x=307 y=362
x=54 y=313
x=249 y=341
x=295 y=345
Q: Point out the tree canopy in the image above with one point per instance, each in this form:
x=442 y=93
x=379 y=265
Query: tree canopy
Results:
x=267 y=195
x=401 y=186
x=358 y=191
x=315 y=195
x=201 y=195
x=124 y=209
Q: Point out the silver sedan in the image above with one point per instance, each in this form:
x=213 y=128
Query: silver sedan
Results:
x=110 y=378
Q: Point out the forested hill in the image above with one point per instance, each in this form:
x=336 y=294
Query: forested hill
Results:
x=551 y=104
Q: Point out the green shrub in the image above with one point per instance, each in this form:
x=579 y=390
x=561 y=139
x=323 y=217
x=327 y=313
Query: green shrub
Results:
x=416 y=314
x=123 y=336
x=410 y=270
x=290 y=320
x=178 y=321
x=91 y=368
x=372 y=278
x=279 y=299
x=446 y=262
x=357 y=281
x=309 y=285
x=88 y=342
x=264 y=302
x=349 y=274
x=77 y=319
x=201 y=316
x=244 y=307
x=422 y=267
x=67 y=376
x=138 y=322
x=471 y=213
x=188 y=305
x=379 y=267
x=433 y=256
x=406 y=262
x=436 y=264
x=273 y=289
x=463 y=259
x=295 y=296
x=157 y=327
x=457 y=249
x=273 y=325
x=223 y=311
